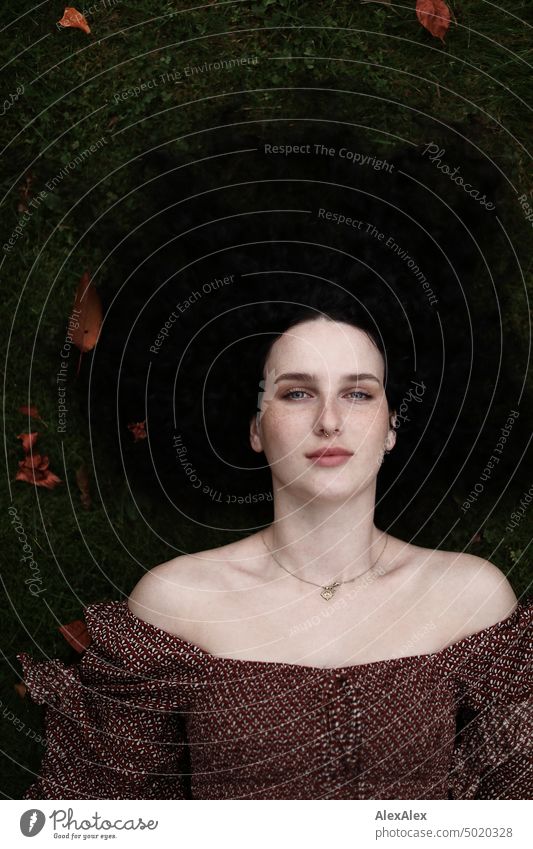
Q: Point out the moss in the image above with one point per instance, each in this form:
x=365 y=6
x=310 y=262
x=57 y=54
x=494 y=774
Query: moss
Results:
x=380 y=71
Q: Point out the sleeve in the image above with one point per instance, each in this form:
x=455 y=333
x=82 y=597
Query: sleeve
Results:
x=111 y=733
x=493 y=753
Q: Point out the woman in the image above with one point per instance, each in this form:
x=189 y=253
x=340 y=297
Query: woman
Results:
x=320 y=658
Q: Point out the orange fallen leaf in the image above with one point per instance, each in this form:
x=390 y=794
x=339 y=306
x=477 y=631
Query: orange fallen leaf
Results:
x=28 y=440
x=21 y=689
x=435 y=16
x=88 y=307
x=34 y=469
x=138 y=430
x=87 y=315
x=73 y=18
x=76 y=634
x=30 y=411
x=82 y=479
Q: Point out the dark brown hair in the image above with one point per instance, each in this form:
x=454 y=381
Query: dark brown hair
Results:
x=340 y=307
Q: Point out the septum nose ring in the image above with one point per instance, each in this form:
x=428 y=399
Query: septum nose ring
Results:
x=326 y=432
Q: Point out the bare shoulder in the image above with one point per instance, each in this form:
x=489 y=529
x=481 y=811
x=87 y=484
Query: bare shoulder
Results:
x=167 y=595
x=475 y=590
x=155 y=594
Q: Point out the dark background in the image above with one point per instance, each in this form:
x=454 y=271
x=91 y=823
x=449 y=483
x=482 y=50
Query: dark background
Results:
x=182 y=193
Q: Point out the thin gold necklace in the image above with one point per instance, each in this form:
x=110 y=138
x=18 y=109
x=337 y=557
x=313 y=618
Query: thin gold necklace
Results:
x=329 y=590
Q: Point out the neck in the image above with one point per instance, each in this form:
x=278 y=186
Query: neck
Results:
x=323 y=541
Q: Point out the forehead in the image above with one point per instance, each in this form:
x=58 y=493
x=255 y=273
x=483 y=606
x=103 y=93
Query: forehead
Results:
x=325 y=348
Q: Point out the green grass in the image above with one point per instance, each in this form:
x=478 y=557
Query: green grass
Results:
x=396 y=70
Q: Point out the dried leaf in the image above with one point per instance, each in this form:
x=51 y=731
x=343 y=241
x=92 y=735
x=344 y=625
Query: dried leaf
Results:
x=82 y=479
x=435 y=16
x=21 y=689
x=138 y=430
x=34 y=469
x=88 y=309
x=73 y=18
x=28 y=440
x=76 y=634
x=30 y=411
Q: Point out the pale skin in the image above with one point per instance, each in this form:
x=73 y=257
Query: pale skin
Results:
x=236 y=601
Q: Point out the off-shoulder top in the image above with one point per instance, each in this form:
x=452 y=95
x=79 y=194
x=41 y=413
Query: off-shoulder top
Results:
x=145 y=714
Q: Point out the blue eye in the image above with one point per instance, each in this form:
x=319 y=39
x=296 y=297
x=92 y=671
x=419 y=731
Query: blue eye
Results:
x=293 y=392
x=360 y=392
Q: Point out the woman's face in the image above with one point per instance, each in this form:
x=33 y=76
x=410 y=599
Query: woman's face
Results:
x=336 y=385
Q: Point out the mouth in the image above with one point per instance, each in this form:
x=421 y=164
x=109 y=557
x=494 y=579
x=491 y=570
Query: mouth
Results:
x=330 y=456
x=330 y=452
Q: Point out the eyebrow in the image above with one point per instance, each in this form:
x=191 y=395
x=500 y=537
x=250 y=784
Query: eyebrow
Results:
x=303 y=377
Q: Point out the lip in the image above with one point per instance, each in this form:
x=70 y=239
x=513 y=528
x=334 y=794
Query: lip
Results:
x=330 y=452
x=330 y=456
x=330 y=459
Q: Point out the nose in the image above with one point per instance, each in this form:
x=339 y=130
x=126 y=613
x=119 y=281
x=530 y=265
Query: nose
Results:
x=330 y=419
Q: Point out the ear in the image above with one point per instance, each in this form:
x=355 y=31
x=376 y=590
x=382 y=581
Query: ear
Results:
x=255 y=433
x=390 y=441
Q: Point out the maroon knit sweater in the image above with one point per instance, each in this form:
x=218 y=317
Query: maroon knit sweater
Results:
x=145 y=714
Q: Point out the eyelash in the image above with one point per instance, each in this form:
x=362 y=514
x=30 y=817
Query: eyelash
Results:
x=358 y=391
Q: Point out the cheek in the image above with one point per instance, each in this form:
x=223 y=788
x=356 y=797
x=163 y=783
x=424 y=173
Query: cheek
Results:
x=372 y=422
x=367 y=439
x=277 y=421
x=284 y=435
x=372 y=427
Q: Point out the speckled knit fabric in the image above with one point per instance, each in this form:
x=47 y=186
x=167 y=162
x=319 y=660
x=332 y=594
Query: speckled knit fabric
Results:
x=145 y=714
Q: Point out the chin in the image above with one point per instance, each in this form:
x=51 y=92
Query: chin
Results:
x=343 y=488
x=334 y=490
